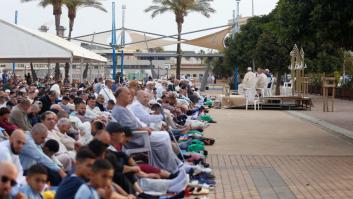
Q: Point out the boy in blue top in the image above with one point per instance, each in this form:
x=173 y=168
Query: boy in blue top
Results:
x=100 y=184
x=69 y=186
x=37 y=177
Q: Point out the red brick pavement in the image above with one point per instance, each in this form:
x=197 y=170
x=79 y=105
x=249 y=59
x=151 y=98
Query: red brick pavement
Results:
x=311 y=177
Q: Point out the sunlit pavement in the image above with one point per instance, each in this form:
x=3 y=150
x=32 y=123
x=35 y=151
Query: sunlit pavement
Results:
x=275 y=154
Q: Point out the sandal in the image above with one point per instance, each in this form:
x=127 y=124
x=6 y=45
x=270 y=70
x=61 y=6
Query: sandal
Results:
x=200 y=191
x=208 y=141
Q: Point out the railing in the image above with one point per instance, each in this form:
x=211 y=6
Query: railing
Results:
x=344 y=93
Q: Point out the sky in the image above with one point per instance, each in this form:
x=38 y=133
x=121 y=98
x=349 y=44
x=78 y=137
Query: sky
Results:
x=90 y=20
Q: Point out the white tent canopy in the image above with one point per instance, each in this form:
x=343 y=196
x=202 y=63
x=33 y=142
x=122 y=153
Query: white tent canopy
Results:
x=18 y=44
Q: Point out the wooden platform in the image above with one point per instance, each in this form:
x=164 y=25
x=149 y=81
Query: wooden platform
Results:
x=287 y=102
x=274 y=102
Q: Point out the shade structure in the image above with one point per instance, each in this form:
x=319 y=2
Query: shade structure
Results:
x=137 y=41
x=144 y=42
x=212 y=41
x=18 y=44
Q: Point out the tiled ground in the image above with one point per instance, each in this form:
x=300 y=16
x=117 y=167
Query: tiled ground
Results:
x=271 y=177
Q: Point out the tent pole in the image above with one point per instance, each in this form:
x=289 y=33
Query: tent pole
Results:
x=113 y=43
x=14 y=64
x=71 y=70
x=81 y=71
x=122 y=44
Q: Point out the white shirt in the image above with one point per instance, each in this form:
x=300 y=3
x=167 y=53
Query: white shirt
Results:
x=56 y=88
x=67 y=141
x=247 y=79
x=107 y=94
x=53 y=134
x=8 y=155
x=143 y=113
x=129 y=107
x=160 y=90
x=92 y=113
x=262 y=81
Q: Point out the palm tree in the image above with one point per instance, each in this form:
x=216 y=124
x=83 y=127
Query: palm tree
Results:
x=73 y=5
x=180 y=8
x=57 y=10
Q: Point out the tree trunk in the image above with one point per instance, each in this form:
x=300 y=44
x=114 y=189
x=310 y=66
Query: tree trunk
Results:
x=71 y=24
x=57 y=24
x=48 y=73
x=57 y=72
x=57 y=13
x=85 y=72
x=278 y=83
x=57 y=4
x=67 y=65
x=34 y=75
x=67 y=70
x=205 y=76
x=178 y=64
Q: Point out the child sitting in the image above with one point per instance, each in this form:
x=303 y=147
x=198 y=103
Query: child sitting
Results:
x=37 y=176
x=100 y=182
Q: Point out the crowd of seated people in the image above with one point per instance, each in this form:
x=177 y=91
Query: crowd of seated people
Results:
x=74 y=140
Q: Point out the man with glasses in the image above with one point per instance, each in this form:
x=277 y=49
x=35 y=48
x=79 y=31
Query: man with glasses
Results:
x=8 y=175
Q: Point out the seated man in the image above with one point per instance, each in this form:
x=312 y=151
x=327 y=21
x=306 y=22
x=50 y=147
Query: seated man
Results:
x=70 y=185
x=262 y=79
x=63 y=127
x=37 y=177
x=65 y=156
x=8 y=174
x=80 y=111
x=118 y=137
x=65 y=104
x=246 y=83
x=18 y=115
x=141 y=109
x=93 y=112
x=32 y=153
x=100 y=103
x=4 y=121
x=10 y=150
x=100 y=183
x=162 y=153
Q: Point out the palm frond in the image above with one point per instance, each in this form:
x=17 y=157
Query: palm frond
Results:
x=45 y=3
x=180 y=7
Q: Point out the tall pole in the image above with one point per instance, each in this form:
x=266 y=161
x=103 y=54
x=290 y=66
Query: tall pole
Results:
x=113 y=43
x=14 y=64
x=252 y=6
x=253 y=14
x=235 y=30
x=122 y=45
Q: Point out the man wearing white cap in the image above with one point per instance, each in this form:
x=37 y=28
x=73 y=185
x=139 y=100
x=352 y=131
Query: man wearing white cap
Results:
x=246 y=81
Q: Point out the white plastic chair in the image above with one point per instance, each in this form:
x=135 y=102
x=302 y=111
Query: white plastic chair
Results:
x=145 y=149
x=251 y=95
x=287 y=88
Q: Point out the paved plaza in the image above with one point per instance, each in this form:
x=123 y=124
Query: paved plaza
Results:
x=279 y=154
